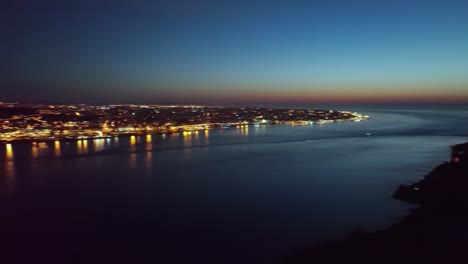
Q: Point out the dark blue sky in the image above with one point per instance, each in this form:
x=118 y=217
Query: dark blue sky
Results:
x=234 y=51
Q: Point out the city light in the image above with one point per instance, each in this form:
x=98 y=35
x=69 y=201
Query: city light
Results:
x=134 y=120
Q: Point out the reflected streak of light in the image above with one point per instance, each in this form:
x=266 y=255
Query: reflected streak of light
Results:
x=10 y=167
x=34 y=151
x=132 y=143
x=263 y=129
x=187 y=138
x=256 y=129
x=85 y=146
x=207 y=135
x=57 y=148
x=149 y=159
x=9 y=151
x=244 y=130
x=148 y=142
x=99 y=144
x=108 y=143
x=79 y=147
x=42 y=148
x=10 y=170
x=132 y=160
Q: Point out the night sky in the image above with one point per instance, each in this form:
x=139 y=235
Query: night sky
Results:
x=234 y=52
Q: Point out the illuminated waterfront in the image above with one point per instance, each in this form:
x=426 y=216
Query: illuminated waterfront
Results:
x=59 y=122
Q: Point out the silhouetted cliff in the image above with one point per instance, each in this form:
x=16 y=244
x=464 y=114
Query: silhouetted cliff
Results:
x=436 y=232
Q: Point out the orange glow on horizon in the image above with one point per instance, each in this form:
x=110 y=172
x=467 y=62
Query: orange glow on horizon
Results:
x=350 y=94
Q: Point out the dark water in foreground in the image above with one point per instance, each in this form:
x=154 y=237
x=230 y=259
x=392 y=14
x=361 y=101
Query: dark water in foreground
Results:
x=248 y=195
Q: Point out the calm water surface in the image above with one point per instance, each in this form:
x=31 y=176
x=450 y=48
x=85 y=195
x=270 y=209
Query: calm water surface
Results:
x=245 y=195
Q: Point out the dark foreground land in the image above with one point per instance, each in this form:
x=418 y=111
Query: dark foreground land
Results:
x=435 y=232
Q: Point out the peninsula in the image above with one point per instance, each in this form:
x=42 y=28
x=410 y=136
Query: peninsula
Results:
x=44 y=122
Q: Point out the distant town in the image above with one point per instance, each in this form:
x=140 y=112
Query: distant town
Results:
x=45 y=122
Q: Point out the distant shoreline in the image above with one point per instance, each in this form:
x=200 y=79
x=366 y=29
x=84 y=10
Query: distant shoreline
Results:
x=22 y=141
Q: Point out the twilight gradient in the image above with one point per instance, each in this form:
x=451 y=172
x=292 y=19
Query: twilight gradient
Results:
x=234 y=51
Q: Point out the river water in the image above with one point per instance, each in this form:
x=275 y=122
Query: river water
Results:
x=242 y=195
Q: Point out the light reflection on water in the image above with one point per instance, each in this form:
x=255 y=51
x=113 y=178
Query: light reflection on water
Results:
x=245 y=130
x=196 y=136
x=207 y=135
x=57 y=148
x=43 y=148
x=132 y=160
x=187 y=137
x=34 y=150
x=79 y=147
x=149 y=160
x=132 y=143
x=132 y=156
x=9 y=152
x=10 y=169
x=149 y=153
x=99 y=144
x=10 y=173
x=85 y=146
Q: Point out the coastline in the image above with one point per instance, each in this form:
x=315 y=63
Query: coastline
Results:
x=41 y=123
x=434 y=232
x=125 y=135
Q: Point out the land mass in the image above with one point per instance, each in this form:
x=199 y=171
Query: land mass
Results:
x=435 y=232
x=41 y=122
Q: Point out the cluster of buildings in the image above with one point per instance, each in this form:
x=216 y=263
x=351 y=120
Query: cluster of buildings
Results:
x=40 y=122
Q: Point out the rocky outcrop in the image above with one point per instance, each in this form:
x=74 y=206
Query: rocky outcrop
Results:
x=435 y=232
